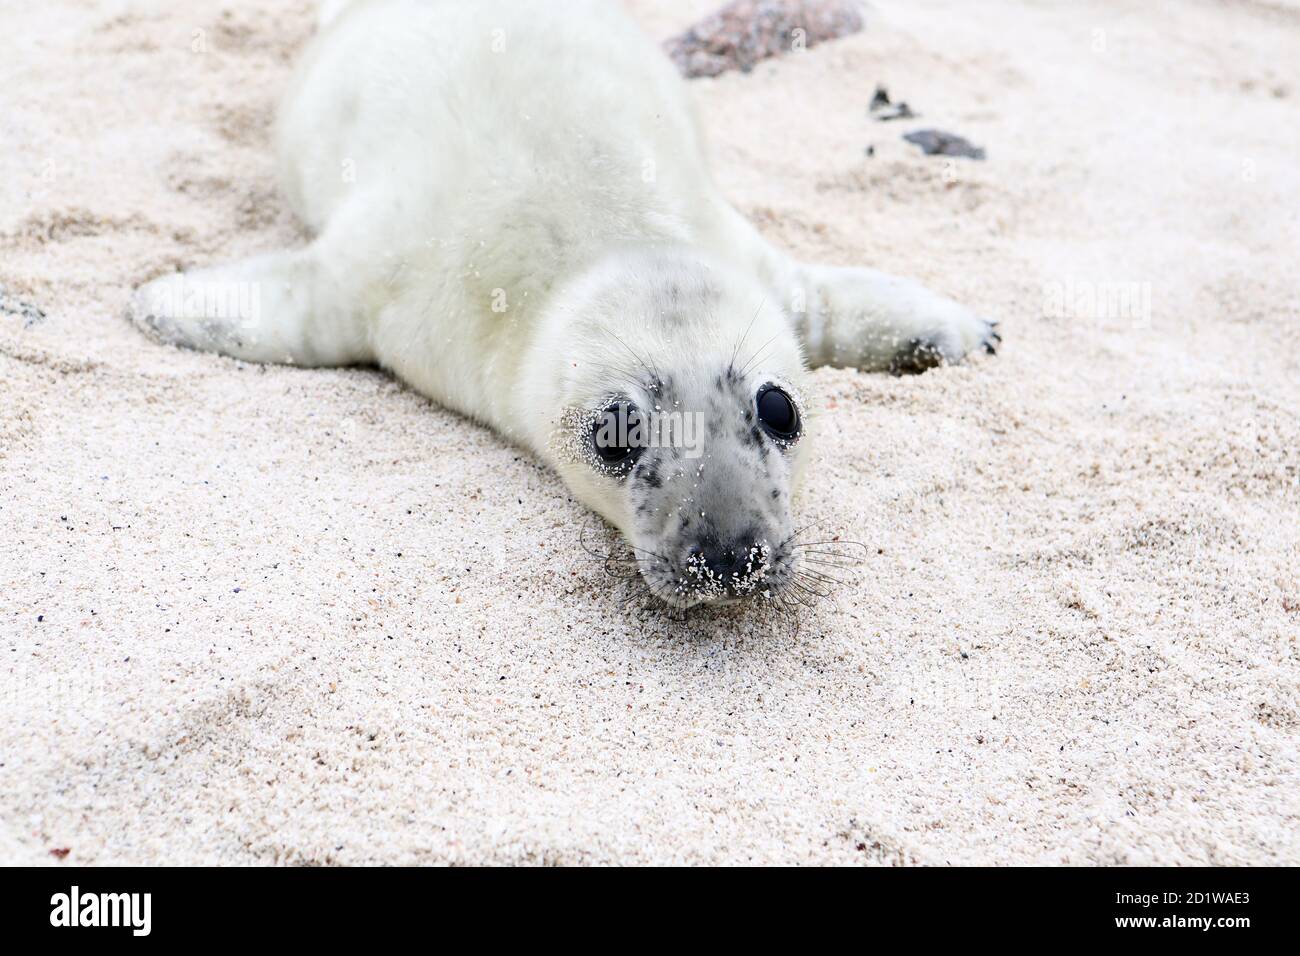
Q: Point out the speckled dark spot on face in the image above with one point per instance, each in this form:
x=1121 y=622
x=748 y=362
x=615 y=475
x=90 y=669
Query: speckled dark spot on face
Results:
x=649 y=475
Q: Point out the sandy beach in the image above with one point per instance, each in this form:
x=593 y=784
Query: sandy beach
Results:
x=272 y=615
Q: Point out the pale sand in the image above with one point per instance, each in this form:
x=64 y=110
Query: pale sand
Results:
x=303 y=616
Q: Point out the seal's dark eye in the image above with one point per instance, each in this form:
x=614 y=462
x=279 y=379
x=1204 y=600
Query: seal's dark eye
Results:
x=616 y=435
x=777 y=412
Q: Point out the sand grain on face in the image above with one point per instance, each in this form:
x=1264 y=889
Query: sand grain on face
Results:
x=264 y=614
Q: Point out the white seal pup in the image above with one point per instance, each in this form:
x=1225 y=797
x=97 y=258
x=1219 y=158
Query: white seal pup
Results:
x=512 y=213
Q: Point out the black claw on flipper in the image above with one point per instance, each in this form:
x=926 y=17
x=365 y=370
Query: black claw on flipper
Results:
x=917 y=356
x=993 y=340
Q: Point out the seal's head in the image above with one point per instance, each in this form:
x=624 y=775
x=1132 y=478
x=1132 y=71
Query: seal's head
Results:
x=678 y=411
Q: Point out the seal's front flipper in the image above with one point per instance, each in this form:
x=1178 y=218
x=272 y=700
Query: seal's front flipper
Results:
x=860 y=318
x=282 y=307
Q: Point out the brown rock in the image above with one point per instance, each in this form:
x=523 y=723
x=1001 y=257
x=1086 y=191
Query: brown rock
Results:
x=746 y=31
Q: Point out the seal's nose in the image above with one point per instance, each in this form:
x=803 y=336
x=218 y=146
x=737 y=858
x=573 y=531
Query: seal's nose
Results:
x=722 y=562
x=728 y=565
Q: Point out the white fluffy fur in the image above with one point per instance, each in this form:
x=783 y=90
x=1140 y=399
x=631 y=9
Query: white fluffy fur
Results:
x=507 y=197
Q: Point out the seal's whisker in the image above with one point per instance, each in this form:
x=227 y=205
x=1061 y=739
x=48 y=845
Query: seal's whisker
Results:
x=807 y=584
x=755 y=359
x=783 y=608
x=665 y=594
x=791 y=591
x=610 y=554
x=654 y=371
x=831 y=560
x=844 y=550
x=582 y=542
x=831 y=541
x=636 y=588
x=808 y=600
x=657 y=591
x=653 y=554
x=629 y=376
x=736 y=351
x=822 y=576
x=625 y=573
x=622 y=568
x=806 y=528
x=798 y=601
x=830 y=565
x=801 y=599
x=812 y=587
x=820 y=552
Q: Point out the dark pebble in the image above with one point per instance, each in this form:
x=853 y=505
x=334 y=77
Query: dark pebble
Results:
x=10 y=305
x=935 y=142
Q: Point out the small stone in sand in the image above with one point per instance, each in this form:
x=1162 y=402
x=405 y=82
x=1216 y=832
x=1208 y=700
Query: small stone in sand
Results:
x=744 y=32
x=9 y=305
x=884 y=110
x=935 y=142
